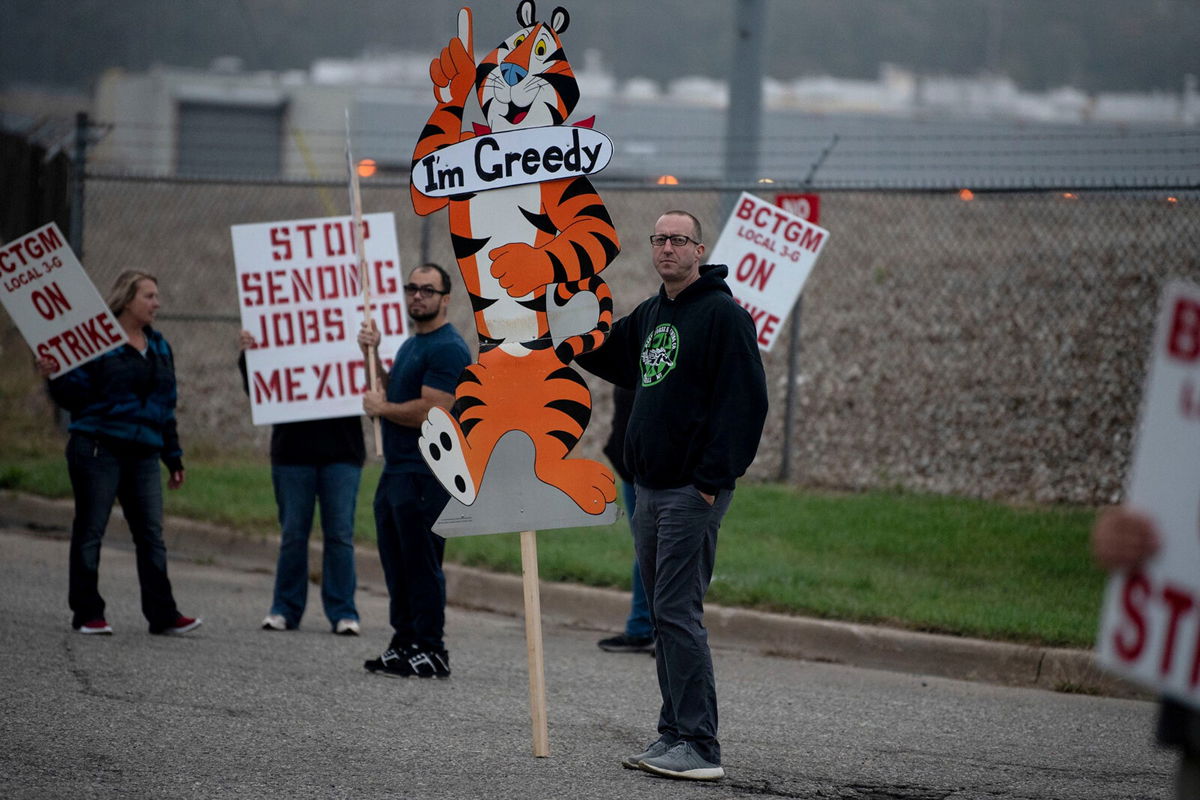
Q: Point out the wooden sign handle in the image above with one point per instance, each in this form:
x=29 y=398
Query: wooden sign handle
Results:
x=533 y=642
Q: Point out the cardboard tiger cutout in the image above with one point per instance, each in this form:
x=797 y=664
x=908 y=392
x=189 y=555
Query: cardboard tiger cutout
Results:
x=530 y=253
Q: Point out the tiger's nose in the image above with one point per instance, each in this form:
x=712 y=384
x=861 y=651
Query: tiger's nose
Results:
x=512 y=73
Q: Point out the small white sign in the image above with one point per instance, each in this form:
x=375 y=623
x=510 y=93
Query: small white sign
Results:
x=770 y=253
x=53 y=302
x=512 y=158
x=1150 y=624
x=301 y=299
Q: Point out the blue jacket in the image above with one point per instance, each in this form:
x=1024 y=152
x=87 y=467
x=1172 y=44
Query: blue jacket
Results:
x=127 y=399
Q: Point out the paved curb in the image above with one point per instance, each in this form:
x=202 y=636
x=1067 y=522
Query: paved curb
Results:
x=874 y=647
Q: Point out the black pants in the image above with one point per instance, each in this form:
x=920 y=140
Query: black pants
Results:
x=99 y=476
x=675 y=537
x=406 y=506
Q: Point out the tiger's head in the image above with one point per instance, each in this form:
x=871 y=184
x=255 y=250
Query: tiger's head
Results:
x=527 y=81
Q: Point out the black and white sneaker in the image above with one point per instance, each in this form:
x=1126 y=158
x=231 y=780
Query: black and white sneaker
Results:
x=430 y=664
x=409 y=662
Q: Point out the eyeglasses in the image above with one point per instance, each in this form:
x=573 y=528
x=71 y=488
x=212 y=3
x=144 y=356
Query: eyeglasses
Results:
x=658 y=240
x=425 y=291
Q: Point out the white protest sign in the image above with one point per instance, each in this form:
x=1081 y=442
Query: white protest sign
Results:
x=512 y=158
x=1150 y=624
x=52 y=301
x=770 y=253
x=301 y=300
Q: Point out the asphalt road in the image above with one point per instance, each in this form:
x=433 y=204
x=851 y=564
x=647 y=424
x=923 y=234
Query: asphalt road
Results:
x=233 y=711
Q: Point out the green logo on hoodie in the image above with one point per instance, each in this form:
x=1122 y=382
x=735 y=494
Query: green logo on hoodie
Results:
x=659 y=353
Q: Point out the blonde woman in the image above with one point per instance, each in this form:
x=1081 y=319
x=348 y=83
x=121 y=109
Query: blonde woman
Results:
x=122 y=408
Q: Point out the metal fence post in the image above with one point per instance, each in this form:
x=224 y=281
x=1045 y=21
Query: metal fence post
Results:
x=789 y=409
x=75 y=234
x=79 y=166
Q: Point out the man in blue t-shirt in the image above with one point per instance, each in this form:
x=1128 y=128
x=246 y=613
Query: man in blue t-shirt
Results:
x=409 y=498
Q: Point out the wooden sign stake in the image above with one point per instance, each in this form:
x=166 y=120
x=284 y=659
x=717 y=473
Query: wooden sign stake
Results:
x=533 y=642
x=364 y=277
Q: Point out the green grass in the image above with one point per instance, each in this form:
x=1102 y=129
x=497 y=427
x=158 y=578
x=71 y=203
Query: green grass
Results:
x=943 y=564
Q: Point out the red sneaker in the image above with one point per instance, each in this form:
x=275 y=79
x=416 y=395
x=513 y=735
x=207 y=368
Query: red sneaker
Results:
x=95 y=626
x=181 y=624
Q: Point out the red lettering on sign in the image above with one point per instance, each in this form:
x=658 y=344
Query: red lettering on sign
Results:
x=324 y=386
x=764 y=323
x=393 y=318
x=50 y=301
x=282 y=244
x=307 y=231
x=280 y=386
x=79 y=342
x=19 y=253
x=388 y=284
x=305 y=326
x=252 y=294
x=333 y=232
x=77 y=349
x=267 y=390
x=811 y=240
x=1180 y=602
x=754 y=271
x=1133 y=600
x=745 y=208
x=1183 y=342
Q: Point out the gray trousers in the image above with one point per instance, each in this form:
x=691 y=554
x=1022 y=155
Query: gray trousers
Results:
x=675 y=537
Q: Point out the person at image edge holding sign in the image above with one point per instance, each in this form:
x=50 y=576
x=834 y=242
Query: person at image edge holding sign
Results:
x=409 y=498
x=1123 y=538
x=122 y=407
x=310 y=460
x=700 y=400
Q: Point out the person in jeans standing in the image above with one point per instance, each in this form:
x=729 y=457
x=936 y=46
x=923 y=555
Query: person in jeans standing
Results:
x=314 y=460
x=409 y=498
x=690 y=353
x=122 y=408
x=638 y=636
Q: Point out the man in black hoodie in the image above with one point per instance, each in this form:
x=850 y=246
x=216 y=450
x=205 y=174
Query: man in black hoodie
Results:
x=691 y=355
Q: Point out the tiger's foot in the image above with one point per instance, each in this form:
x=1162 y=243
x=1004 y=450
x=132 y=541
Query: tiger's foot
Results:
x=445 y=451
x=589 y=483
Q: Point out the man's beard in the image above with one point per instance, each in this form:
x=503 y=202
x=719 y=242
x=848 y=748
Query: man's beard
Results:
x=422 y=316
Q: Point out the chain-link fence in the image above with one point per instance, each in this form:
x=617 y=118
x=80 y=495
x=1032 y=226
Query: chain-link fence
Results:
x=992 y=346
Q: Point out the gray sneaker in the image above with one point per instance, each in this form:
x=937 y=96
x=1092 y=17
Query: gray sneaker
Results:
x=682 y=761
x=653 y=751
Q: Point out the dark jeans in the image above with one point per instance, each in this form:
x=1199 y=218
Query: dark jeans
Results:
x=406 y=506
x=298 y=487
x=638 y=624
x=675 y=536
x=99 y=476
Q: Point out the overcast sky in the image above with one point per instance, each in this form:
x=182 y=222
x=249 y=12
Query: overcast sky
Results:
x=1093 y=44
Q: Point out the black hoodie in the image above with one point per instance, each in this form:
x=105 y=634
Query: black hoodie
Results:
x=700 y=391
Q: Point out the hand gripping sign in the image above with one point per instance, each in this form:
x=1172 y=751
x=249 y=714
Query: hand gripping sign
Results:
x=301 y=299
x=52 y=301
x=770 y=253
x=1150 y=625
